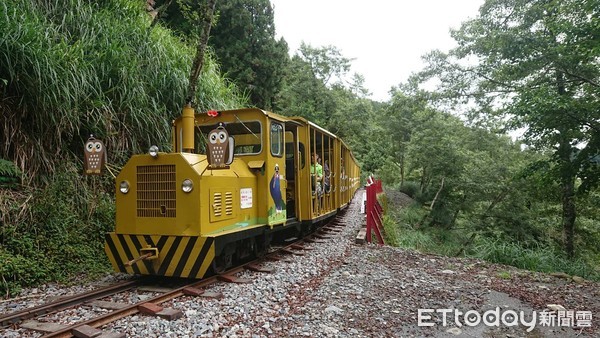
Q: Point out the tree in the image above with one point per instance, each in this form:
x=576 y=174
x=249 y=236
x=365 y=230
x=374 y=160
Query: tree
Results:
x=536 y=62
x=206 y=22
x=244 y=42
x=400 y=118
x=302 y=93
x=326 y=62
x=308 y=88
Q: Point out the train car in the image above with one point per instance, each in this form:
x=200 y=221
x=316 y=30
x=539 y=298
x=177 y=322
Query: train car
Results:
x=235 y=181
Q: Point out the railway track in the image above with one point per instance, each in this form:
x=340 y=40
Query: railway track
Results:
x=152 y=306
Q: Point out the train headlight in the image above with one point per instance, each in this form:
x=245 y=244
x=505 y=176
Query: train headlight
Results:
x=153 y=151
x=187 y=185
x=124 y=187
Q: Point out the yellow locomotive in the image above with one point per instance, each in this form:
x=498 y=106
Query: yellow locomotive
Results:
x=236 y=180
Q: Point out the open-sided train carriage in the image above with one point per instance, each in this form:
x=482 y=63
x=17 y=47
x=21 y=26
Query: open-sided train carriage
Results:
x=235 y=180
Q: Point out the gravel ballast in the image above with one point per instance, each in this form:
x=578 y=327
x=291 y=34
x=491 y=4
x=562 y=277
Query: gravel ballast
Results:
x=341 y=289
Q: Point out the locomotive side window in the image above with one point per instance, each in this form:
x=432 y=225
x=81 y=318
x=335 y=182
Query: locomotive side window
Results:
x=276 y=139
x=247 y=136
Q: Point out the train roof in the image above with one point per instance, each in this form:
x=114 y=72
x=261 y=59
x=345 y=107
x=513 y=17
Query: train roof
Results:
x=293 y=119
x=313 y=125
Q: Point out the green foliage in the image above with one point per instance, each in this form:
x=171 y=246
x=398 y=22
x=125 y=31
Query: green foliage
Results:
x=10 y=175
x=76 y=68
x=68 y=69
x=535 y=256
x=391 y=236
x=9 y=169
x=504 y=274
x=416 y=240
x=410 y=188
x=408 y=217
x=327 y=63
x=389 y=174
x=304 y=93
x=54 y=232
x=404 y=223
x=17 y=270
x=536 y=69
x=541 y=258
x=313 y=88
x=243 y=41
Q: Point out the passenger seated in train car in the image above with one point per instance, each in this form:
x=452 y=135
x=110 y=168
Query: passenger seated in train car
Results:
x=326 y=177
x=316 y=174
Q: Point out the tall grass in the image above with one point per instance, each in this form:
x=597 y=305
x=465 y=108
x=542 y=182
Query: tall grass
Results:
x=543 y=258
x=70 y=68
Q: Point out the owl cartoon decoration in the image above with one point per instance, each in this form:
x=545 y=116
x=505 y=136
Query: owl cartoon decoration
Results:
x=220 y=148
x=95 y=156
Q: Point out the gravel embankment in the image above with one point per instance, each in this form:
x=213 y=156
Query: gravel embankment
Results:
x=340 y=289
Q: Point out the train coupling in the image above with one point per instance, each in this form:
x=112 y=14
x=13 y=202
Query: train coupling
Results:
x=145 y=253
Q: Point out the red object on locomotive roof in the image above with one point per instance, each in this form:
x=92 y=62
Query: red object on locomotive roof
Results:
x=213 y=113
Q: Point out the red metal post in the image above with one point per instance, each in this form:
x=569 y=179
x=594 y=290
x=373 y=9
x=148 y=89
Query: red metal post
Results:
x=368 y=211
x=374 y=211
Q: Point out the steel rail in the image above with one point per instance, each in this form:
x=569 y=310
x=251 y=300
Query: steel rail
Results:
x=133 y=308
x=66 y=302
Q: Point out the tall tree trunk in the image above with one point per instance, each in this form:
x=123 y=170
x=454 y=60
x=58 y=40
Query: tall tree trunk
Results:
x=402 y=169
x=567 y=183
x=207 y=17
x=568 y=174
x=423 y=180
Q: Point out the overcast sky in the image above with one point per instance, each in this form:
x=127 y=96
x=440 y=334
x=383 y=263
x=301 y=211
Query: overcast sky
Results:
x=385 y=37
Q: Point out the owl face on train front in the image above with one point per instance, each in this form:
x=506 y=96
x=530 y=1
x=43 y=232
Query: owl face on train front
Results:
x=209 y=202
x=220 y=147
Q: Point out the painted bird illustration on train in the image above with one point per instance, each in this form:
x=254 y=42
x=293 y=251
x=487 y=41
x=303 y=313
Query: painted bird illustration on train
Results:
x=234 y=182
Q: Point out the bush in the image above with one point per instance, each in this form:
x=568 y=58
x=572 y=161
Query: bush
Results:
x=530 y=255
x=416 y=240
x=17 y=270
x=410 y=188
x=57 y=232
x=391 y=231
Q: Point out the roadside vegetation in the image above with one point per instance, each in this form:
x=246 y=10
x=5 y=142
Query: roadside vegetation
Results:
x=69 y=69
x=544 y=254
x=531 y=203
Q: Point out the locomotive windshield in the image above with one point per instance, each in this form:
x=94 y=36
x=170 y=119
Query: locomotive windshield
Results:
x=247 y=136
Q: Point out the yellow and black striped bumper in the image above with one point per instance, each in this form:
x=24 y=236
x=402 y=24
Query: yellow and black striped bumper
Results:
x=178 y=256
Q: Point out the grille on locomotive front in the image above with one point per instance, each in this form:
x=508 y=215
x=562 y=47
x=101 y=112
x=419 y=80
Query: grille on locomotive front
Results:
x=156 y=191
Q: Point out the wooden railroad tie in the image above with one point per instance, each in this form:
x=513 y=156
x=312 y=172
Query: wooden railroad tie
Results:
x=86 y=331
x=157 y=310
x=234 y=279
x=257 y=268
x=361 y=236
x=291 y=252
x=193 y=292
